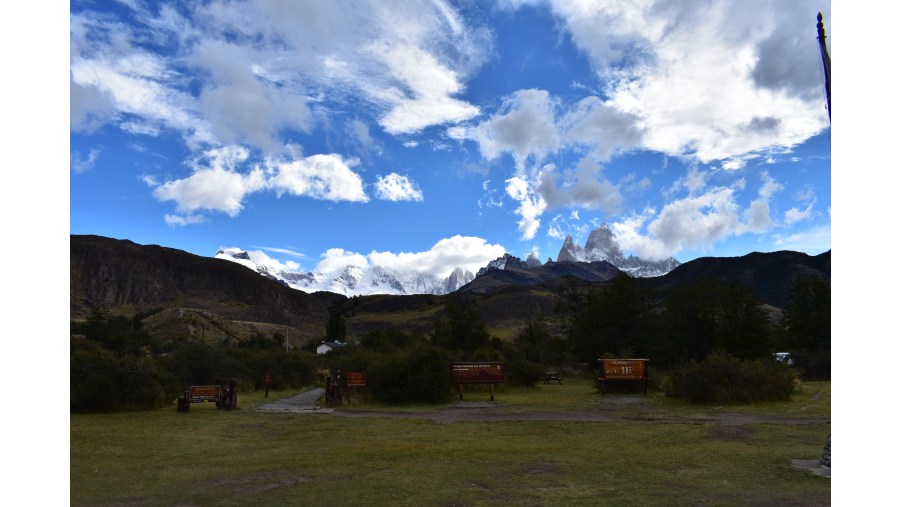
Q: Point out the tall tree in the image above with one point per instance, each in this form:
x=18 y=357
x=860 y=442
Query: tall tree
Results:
x=807 y=314
x=462 y=327
x=712 y=314
x=617 y=317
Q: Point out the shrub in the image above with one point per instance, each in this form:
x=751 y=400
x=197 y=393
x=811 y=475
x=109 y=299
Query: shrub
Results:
x=521 y=372
x=103 y=379
x=721 y=378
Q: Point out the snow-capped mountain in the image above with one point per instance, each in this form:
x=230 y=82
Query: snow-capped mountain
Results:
x=509 y=261
x=353 y=280
x=601 y=246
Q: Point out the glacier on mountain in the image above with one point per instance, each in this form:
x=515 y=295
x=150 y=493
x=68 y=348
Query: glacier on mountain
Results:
x=352 y=280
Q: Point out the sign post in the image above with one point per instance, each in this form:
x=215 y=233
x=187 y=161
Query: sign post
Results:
x=356 y=380
x=476 y=373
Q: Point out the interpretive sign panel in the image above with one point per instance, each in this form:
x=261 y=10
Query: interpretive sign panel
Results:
x=199 y=394
x=476 y=373
x=356 y=379
x=623 y=369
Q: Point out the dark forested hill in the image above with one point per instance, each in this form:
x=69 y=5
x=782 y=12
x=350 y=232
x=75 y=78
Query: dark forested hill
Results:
x=770 y=273
x=111 y=273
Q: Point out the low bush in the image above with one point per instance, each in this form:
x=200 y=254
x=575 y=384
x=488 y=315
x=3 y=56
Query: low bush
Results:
x=813 y=365
x=721 y=378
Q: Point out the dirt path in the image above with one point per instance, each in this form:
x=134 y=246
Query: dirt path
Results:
x=305 y=403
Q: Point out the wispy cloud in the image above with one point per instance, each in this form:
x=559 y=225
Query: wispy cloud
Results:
x=395 y=187
x=79 y=164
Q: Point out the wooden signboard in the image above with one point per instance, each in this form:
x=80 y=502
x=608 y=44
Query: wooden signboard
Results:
x=199 y=394
x=623 y=369
x=356 y=379
x=476 y=373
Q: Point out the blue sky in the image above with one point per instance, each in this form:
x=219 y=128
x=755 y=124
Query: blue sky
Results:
x=324 y=133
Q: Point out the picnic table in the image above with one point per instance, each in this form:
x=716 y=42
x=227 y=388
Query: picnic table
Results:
x=552 y=375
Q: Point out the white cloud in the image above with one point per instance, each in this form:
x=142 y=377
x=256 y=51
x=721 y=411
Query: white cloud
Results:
x=603 y=128
x=757 y=215
x=585 y=187
x=181 y=221
x=812 y=241
x=337 y=259
x=697 y=84
x=524 y=126
x=218 y=183
x=530 y=208
x=431 y=86
x=467 y=252
x=80 y=165
x=214 y=189
x=696 y=221
x=284 y=251
x=395 y=187
x=795 y=214
x=325 y=177
x=260 y=61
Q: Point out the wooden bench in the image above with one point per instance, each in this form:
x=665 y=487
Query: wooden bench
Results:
x=223 y=398
x=552 y=375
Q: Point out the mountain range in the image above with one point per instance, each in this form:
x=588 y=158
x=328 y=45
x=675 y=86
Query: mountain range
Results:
x=176 y=294
x=353 y=280
x=602 y=246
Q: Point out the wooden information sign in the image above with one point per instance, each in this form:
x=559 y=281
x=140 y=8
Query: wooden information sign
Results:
x=356 y=386
x=199 y=394
x=476 y=373
x=623 y=369
x=356 y=379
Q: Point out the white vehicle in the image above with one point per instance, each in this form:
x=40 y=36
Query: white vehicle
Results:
x=784 y=357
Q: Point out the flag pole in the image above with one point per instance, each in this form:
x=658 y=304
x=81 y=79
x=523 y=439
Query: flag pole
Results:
x=826 y=61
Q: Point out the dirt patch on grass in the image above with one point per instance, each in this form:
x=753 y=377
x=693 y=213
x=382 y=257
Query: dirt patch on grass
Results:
x=267 y=480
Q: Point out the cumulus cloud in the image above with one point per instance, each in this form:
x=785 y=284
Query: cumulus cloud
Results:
x=326 y=177
x=531 y=206
x=757 y=216
x=260 y=61
x=467 y=252
x=524 y=126
x=337 y=259
x=220 y=182
x=395 y=187
x=585 y=187
x=696 y=82
x=242 y=102
x=601 y=127
x=696 y=221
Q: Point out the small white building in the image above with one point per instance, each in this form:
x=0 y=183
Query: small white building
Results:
x=326 y=347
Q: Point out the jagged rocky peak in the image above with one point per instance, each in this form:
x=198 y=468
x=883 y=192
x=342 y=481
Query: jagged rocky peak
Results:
x=570 y=251
x=233 y=253
x=505 y=262
x=601 y=245
x=532 y=261
x=457 y=279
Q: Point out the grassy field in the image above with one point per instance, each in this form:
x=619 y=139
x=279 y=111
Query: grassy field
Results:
x=657 y=452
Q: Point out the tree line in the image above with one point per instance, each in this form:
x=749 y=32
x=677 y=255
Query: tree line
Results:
x=114 y=364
